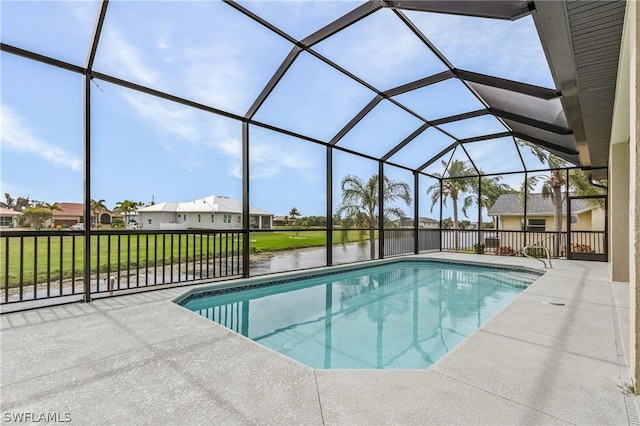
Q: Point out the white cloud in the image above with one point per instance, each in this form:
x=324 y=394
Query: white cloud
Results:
x=18 y=135
x=85 y=12
x=224 y=88
x=189 y=135
x=168 y=117
x=382 y=51
x=267 y=162
x=164 y=45
x=118 y=54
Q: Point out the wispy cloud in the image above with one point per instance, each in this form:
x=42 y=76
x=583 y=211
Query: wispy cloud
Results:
x=191 y=136
x=301 y=18
x=267 y=160
x=85 y=12
x=381 y=50
x=119 y=54
x=20 y=136
x=202 y=51
x=164 y=116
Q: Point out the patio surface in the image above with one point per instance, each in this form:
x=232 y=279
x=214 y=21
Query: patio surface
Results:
x=141 y=359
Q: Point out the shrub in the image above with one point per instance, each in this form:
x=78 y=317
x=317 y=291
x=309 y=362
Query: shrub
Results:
x=504 y=251
x=478 y=248
x=117 y=223
x=581 y=248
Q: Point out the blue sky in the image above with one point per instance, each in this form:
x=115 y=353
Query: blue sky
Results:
x=147 y=148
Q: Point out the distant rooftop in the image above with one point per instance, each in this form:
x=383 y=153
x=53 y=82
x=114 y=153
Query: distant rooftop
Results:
x=212 y=203
x=5 y=211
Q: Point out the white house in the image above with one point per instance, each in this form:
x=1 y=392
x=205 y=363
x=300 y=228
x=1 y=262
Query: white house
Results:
x=427 y=222
x=213 y=212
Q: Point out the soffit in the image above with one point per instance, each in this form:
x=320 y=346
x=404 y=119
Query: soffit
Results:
x=582 y=43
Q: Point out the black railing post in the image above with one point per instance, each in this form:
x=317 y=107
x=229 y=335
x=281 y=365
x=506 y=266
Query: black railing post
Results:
x=329 y=191
x=416 y=213
x=479 y=214
x=380 y=211
x=524 y=216
x=440 y=224
x=87 y=189
x=246 y=238
x=97 y=30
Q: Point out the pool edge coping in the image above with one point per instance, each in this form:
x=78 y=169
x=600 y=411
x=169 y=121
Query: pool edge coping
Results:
x=241 y=284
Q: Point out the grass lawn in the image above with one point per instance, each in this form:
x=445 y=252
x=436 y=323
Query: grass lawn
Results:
x=283 y=239
x=56 y=256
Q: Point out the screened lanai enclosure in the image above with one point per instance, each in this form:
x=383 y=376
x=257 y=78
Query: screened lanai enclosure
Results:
x=356 y=131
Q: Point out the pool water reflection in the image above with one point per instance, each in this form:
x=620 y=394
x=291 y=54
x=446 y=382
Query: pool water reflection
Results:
x=405 y=314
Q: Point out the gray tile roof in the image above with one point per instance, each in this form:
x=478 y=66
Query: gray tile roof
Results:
x=509 y=204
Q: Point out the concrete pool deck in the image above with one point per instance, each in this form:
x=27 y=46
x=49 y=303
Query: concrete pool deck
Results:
x=142 y=359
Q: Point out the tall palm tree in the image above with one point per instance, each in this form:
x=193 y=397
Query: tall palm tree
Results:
x=125 y=207
x=294 y=213
x=492 y=189
x=51 y=207
x=360 y=201
x=457 y=183
x=96 y=207
x=10 y=202
x=553 y=184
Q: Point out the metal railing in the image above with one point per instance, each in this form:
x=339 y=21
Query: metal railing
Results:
x=49 y=264
x=398 y=241
x=509 y=243
x=526 y=251
x=42 y=266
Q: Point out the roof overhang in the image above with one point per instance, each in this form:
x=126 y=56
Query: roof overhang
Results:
x=582 y=43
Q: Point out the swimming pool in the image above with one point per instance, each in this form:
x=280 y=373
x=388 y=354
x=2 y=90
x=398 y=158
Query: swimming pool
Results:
x=400 y=314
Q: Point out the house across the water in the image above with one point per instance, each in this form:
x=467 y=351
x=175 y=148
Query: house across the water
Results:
x=68 y=214
x=8 y=217
x=586 y=215
x=213 y=212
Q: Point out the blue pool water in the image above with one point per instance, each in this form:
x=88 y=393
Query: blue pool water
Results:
x=405 y=314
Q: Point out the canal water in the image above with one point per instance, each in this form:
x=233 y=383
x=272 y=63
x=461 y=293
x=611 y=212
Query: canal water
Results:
x=306 y=258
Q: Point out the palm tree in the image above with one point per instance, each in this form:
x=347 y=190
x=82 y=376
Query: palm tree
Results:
x=125 y=207
x=492 y=189
x=10 y=202
x=553 y=184
x=294 y=213
x=96 y=207
x=360 y=200
x=51 y=207
x=456 y=184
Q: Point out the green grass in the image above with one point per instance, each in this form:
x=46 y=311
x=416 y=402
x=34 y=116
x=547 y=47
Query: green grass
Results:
x=287 y=240
x=138 y=250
